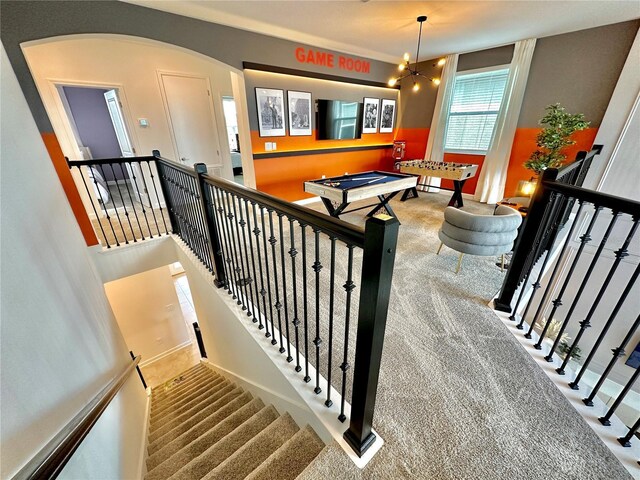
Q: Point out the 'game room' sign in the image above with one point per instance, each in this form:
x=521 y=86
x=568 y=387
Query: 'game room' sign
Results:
x=329 y=60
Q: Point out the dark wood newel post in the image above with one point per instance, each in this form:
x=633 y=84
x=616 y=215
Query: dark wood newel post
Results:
x=206 y=204
x=381 y=235
x=526 y=241
x=175 y=227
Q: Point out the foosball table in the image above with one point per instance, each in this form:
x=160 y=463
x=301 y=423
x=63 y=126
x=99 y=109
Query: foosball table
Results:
x=458 y=172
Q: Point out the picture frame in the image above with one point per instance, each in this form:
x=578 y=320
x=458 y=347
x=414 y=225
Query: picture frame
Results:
x=370 y=115
x=299 y=108
x=387 y=115
x=270 y=103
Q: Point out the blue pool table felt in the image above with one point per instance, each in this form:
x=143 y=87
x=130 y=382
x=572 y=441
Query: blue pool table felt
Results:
x=355 y=180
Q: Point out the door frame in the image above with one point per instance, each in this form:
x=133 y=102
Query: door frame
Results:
x=69 y=135
x=223 y=147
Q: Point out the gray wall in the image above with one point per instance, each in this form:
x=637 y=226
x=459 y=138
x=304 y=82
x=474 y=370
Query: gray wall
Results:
x=25 y=21
x=578 y=70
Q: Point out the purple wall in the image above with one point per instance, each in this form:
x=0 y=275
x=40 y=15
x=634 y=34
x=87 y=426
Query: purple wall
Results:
x=90 y=113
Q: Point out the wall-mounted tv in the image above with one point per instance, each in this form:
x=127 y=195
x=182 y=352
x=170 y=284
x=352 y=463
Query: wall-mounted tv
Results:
x=338 y=120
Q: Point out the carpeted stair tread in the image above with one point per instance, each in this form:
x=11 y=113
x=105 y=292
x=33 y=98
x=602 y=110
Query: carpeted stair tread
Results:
x=187 y=376
x=163 y=425
x=205 y=379
x=211 y=449
x=290 y=459
x=198 y=402
x=179 y=403
x=194 y=441
x=255 y=450
x=161 y=399
x=183 y=425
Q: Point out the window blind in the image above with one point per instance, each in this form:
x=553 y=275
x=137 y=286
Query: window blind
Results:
x=474 y=109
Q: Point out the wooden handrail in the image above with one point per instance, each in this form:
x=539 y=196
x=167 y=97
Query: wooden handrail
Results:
x=52 y=458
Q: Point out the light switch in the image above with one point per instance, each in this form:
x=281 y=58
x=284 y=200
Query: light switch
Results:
x=268 y=146
x=143 y=122
x=274 y=146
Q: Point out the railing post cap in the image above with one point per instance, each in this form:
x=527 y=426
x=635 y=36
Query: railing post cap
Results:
x=200 y=168
x=155 y=153
x=383 y=219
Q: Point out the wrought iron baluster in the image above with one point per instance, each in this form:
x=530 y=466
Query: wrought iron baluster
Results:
x=244 y=255
x=284 y=289
x=179 y=205
x=202 y=221
x=143 y=206
x=256 y=298
x=263 y=292
x=617 y=353
x=332 y=281
x=584 y=239
x=95 y=211
x=266 y=269
x=344 y=366
x=222 y=220
x=305 y=302
x=529 y=264
x=585 y=280
x=296 y=321
x=554 y=276
x=148 y=192
x=126 y=241
x=626 y=440
x=278 y=305
x=234 y=249
x=124 y=204
x=193 y=199
x=187 y=196
x=620 y=254
x=133 y=207
x=155 y=188
x=317 y=267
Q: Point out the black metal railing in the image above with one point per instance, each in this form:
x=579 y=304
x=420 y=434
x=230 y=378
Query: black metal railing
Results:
x=126 y=202
x=600 y=223
x=283 y=264
x=54 y=456
x=293 y=270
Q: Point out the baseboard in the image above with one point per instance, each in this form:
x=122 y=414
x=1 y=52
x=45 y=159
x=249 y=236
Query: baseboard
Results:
x=166 y=353
x=142 y=468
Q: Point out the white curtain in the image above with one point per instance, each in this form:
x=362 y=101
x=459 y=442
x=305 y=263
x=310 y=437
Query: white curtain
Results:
x=492 y=177
x=435 y=143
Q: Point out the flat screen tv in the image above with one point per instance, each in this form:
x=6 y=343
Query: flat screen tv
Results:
x=338 y=120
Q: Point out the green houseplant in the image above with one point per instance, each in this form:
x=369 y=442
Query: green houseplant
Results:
x=554 y=137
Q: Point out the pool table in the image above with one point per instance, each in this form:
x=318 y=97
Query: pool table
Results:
x=338 y=192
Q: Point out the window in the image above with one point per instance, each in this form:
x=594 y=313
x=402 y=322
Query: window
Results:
x=475 y=104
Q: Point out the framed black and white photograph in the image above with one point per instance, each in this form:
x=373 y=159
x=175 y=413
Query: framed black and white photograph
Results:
x=299 y=104
x=370 y=115
x=387 y=115
x=270 y=104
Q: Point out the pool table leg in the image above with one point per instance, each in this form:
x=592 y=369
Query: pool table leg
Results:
x=384 y=203
x=333 y=211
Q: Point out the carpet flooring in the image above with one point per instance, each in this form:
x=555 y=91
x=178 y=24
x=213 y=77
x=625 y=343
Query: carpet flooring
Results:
x=458 y=397
x=204 y=427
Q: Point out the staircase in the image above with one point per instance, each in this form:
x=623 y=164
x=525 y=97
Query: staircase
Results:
x=203 y=426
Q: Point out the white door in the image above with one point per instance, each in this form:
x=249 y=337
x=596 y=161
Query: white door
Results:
x=192 y=121
x=120 y=127
x=115 y=110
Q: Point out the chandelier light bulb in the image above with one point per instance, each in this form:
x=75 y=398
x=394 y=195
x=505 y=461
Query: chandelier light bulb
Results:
x=406 y=57
x=436 y=81
x=392 y=82
x=416 y=87
x=442 y=61
x=401 y=67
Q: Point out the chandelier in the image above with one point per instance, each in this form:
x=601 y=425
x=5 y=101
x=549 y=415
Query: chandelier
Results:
x=405 y=66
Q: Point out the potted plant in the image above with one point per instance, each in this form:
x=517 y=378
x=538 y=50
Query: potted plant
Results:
x=554 y=137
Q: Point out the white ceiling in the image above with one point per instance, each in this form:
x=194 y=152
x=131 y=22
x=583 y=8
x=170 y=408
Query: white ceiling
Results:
x=384 y=30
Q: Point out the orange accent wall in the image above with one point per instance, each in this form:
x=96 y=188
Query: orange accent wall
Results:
x=524 y=143
x=283 y=177
x=69 y=186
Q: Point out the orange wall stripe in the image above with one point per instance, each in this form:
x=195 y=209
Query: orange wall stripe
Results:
x=69 y=186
